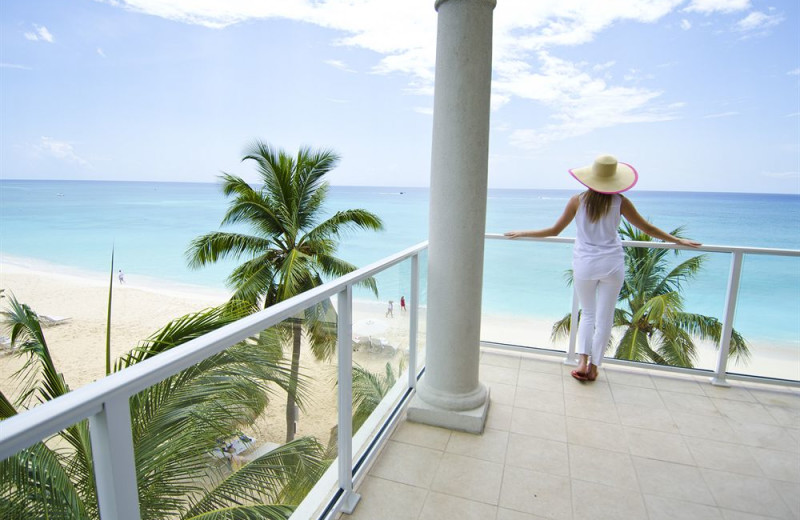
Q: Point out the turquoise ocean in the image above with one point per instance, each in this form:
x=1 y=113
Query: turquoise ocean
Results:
x=75 y=224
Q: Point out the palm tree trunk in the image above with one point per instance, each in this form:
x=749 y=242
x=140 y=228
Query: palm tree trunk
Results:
x=291 y=398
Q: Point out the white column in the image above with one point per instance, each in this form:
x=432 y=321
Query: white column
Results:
x=449 y=393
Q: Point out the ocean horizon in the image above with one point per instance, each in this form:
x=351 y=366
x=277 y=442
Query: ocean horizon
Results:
x=149 y=225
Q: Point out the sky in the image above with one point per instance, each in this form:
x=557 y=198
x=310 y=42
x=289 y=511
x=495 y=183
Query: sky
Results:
x=698 y=95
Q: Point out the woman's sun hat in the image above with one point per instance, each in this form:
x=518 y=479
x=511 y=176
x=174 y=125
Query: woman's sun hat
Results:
x=607 y=175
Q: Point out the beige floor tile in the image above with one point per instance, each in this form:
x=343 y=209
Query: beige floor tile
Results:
x=422 y=435
x=500 y=359
x=551 y=365
x=766 y=436
x=660 y=508
x=657 y=445
x=744 y=412
x=592 y=409
x=593 y=501
x=645 y=417
x=639 y=378
x=406 y=463
x=439 y=506
x=469 y=478
x=499 y=417
x=540 y=381
x=723 y=456
x=634 y=395
x=508 y=514
x=502 y=394
x=387 y=500
x=676 y=383
x=542 y=400
x=747 y=494
x=790 y=492
x=540 y=494
x=785 y=416
x=727 y=514
x=602 y=466
x=538 y=454
x=596 y=434
x=671 y=480
x=776 y=397
x=490 y=446
x=689 y=403
x=539 y=424
x=733 y=393
x=704 y=426
x=493 y=374
x=778 y=465
x=598 y=390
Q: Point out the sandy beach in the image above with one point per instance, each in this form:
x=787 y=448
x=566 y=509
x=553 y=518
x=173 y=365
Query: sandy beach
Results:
x=141 y=307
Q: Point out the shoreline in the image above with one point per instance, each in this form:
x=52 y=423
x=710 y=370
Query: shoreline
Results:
x=141 y=308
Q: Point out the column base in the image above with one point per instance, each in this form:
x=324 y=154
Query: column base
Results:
x=470 y=421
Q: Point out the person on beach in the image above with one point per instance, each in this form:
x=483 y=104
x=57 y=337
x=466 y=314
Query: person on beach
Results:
x=121 y=277
x=598 y=260
x=402 y=303
x=390 y=309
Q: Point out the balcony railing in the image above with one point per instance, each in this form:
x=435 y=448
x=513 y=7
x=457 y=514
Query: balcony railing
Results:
x=105 y=403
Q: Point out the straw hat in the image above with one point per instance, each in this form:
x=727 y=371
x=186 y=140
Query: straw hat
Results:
x=606 y=175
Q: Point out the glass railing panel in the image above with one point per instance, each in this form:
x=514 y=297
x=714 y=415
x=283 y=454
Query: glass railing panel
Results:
x=525 y=292
x=691 y=287
x=768 y=317
x=205 y=435
x=51 y=479
x=381 y=342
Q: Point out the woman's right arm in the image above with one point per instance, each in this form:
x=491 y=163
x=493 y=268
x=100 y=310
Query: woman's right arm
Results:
x=554 y=230
x=628 y=211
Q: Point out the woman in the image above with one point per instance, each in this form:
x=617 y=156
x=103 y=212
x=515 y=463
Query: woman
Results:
x=598 y=261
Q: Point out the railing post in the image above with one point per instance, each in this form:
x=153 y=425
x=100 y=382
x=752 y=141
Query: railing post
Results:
x=573 y=329
x=727 y=320
x=114 y=461
x=345 y=399
x=413 y=325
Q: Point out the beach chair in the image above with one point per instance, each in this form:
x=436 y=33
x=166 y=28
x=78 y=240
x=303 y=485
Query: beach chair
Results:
x=52 y=321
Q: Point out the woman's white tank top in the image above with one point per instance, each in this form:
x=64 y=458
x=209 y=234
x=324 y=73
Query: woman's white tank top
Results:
x=598 y=248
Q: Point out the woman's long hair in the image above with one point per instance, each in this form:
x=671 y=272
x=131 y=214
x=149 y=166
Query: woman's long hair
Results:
x=597 y=204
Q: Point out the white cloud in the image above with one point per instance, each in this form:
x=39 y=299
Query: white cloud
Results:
x=581 y=103
x=338 y=64
x=758 y=21
x=61 y=150
x=794 y=72
x=100 y=52
x=722 y=6
x=782 y=175
x=40 y=33
x=13 y=66
x=686 y=24
x=721 y=114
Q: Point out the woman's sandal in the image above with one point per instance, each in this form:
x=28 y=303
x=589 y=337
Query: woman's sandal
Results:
x=580 y=376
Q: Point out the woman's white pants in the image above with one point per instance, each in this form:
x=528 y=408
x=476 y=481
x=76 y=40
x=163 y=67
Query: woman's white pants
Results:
x=598 y=299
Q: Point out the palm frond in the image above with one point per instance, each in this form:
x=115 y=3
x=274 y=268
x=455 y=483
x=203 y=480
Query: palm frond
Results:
x=213 y=247
x=253 y=512
x=269 y=478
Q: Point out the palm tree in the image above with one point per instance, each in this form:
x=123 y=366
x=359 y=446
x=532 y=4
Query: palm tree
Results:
x=176 y=425
x=655 y=327
x=291 y=249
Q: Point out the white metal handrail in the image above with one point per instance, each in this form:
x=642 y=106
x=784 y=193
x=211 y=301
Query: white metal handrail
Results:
x=731 y=296
x=105 y=402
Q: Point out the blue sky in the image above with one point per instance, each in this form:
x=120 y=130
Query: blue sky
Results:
x=699 y=95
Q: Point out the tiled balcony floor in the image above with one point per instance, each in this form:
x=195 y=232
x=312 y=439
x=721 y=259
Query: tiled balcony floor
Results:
x=635 y=444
